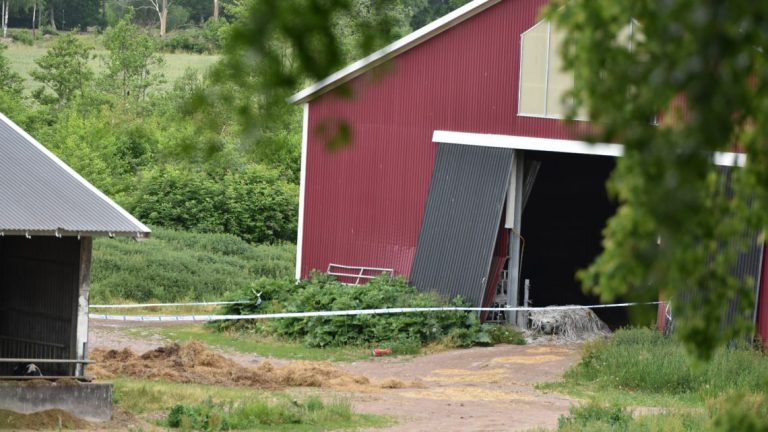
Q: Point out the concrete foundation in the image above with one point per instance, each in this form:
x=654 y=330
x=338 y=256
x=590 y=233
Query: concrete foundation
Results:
x=92 y=402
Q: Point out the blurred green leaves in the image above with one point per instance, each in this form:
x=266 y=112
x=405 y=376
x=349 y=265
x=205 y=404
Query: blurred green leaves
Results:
x=699 y=69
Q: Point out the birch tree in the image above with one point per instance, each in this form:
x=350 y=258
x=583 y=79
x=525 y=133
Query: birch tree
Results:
x=5 y=6
x=161 y=7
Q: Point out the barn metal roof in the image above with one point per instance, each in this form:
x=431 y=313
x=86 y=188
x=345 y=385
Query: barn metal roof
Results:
x=395 y=48
x=41 y=195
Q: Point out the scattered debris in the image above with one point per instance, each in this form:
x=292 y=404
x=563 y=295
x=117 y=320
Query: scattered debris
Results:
x=526 y=359
x=378 y=352
x=567 y=325
x=194 y=363
x=465 y=394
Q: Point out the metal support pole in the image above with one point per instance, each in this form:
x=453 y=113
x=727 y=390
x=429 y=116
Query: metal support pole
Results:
x=513 y=223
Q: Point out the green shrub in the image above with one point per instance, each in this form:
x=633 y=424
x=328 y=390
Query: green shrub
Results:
x=739 y=412
x=47 y=30
x=254 y=203
x=323 y=293
x=22 y=36
x=173 y=266
x=593 y=415
x=199 y=40
x=504 y=334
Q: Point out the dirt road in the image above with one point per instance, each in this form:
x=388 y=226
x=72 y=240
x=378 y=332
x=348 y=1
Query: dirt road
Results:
x=478 y=389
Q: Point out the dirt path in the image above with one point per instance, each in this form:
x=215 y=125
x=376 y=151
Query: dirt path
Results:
x=477 y=389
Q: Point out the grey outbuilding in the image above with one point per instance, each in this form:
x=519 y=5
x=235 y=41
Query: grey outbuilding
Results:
x=49 y=215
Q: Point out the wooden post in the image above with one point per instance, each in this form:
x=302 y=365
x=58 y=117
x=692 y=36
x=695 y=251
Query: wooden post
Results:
x=83 y=299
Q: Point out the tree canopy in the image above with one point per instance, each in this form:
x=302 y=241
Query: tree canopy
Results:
x=699 y=69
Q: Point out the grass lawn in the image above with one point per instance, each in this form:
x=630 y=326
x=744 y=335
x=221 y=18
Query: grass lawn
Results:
x=641 y=368
x=221 y=408
x=22 y=58
x=251 y=344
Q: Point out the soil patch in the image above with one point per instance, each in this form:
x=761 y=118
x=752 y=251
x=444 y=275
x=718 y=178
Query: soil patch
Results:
x=466 y=394
x=196 y=364
x=526 y=359
x=54 y=419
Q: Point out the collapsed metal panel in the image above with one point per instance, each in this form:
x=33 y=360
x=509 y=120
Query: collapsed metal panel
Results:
x=461 y=222
x=747 y=269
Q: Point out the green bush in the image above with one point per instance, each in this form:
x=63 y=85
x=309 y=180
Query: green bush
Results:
x=173 y=266
x=404 y=333
x=47 y=30
x=22 y=36
x=254 y=203
x=199 y=40
x=591 y=415
x=504 y=334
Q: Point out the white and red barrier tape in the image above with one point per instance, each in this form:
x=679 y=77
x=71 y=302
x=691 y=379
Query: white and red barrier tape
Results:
x=131 y=306
x=205 y=318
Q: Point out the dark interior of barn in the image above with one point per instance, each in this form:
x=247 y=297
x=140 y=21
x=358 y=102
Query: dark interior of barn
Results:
x=38 y=300
x=562 y=226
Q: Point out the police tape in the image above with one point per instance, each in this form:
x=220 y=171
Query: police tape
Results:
x=355 y=312
x=131 y=306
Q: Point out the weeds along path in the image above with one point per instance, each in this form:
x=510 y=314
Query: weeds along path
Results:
x=477 y=389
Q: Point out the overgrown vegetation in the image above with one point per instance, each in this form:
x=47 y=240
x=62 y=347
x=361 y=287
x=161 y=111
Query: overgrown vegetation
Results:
x=248 y=415
x=173 y=266
x=730 y=413
x=643 y=360
x=642 y=367
x=211 y=408
x=405 y=333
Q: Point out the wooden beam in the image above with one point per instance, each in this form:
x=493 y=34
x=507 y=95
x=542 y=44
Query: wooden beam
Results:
x=83 y=300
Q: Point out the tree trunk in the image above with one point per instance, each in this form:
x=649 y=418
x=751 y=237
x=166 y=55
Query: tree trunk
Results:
x=53 y=18
x=4 y=17
x=34 y=15
x=164 y=18
x=216 y=10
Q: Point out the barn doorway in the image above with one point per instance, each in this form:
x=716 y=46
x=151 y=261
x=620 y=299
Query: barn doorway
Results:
x=562 y=224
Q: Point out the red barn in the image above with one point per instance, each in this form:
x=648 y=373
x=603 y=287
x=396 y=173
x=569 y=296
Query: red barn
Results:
x=460 y=172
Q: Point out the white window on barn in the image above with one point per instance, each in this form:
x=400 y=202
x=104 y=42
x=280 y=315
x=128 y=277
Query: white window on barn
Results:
x=543 y=83
x=542 y=80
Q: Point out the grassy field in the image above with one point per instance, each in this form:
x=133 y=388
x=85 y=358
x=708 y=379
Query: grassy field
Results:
x=640 y=369
x=22 y=58
x=252 y=344
x=205 y=407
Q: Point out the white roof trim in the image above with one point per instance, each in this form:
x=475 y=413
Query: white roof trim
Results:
x=407 y=42
x=144 y=229
x=558 y=145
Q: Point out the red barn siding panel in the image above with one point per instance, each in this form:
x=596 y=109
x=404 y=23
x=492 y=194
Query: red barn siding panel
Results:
x=364 y=204
x=762 y=301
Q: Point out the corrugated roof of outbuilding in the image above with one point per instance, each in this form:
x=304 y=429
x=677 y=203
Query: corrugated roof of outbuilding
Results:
x=41 y=195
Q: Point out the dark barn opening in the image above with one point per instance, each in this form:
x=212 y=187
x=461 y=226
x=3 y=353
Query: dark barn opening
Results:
x=39 y=282
x=562 y=226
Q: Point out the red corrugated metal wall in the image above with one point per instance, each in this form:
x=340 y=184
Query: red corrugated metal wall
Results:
x=364 y=204
x=762 y=302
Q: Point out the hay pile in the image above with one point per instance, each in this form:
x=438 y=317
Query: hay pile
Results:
x=195 y=364
x=569 y=325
